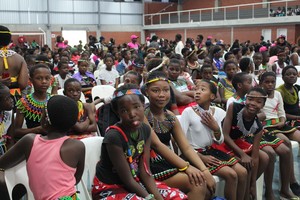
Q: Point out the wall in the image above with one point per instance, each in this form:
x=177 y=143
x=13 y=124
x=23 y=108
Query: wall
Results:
x=159 y=7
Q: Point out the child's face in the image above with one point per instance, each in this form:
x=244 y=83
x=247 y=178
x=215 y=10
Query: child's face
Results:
x=257 y=59
x=84 y=56
x=203 y=94
x=266 y=58
x=130 y=78
x=109 y=62
x=232 y=58
x=128 y=55
x=174 y=70
x=158 y=93
x=254 y=103
x=207 y=60
x=269 y=84
x=231 y=70
x=41 y=79
x=56 y=58
x=64 y=69
x=131 y=111
x=73 y=90
x=207 y=73
x=246 y=84
x=281 y=56
x=290 y=76
x=6 y=102
x=83 y=67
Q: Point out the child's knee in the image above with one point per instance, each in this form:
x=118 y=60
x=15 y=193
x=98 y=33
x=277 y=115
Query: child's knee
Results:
x=271 y=155
x=284 y=150
x=263 y=158
x=242 y=173
x=231 y=175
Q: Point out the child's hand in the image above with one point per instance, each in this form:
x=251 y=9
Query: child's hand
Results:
x=6 y=81
x=246 y=161
x=195 y=175
x=210 y=182
x=210 y=160
x=209 y=121
x=280 y=124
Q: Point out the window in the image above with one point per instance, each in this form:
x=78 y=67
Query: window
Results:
x=267 y=33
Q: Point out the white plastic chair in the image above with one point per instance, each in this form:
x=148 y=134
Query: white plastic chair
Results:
x=102 y=91
x=279 y=81
x=92 y=156
x=82 y=98
x=96 y=75
x=17 y=175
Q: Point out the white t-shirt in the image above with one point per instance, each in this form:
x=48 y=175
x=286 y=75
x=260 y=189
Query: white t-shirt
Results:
x=179 y=47
x=274 y=107
x=109 y=76
x=198 y=134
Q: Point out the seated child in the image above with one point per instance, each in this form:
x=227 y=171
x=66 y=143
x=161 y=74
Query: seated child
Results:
x=109 y=75
x=86 y=123
x=240 y=122
x=123 y=169
x=63 y=74
x=226 y=89
x=55 y=163
x=275 y=122
x=30 y=107
x=86 y=79
x=204 y=135
x=246 y=65
x=278 y=65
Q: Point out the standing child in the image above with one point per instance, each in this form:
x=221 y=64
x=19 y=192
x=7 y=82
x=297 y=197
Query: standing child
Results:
x=86 y=79
x=63 y=74
x=123 y=171
x=109 y=75
x=226 y=89
x=30 y=107
x=86 y=122
x=241 y=122
x=275 y=122
x=55 y=163
x=204 y=135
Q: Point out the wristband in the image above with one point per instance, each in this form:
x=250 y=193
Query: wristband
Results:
x=149 y=196
x=185 y=168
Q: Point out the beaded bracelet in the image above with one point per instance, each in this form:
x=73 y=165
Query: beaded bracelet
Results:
x=185 y=168
x=149 y=196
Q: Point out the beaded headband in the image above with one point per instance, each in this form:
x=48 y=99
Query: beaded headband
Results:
x=7 y=32
x=256 y=96
x=125 y=92
x=43 y=62
x=157 y=79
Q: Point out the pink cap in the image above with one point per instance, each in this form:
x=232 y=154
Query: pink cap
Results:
x=148 y=38
x=134 y=37
x=263 y=49
x=209 y=37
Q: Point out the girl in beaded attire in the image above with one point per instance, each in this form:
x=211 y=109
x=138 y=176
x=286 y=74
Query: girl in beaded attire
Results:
x=30 y=107
x=86 y=122
x=202 y=126
x=123 y=170
x=166 y=125
x=13 y=68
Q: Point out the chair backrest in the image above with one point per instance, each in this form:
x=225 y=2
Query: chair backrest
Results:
x=17 y=175
x=279 y=81
x=102 y=91
x=82 y=98
x=92 y=156
x=96 y=75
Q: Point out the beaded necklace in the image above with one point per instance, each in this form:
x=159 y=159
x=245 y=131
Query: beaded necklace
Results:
x=128 y=153
x=239 y=99
x=31 y=108
x=160 y=126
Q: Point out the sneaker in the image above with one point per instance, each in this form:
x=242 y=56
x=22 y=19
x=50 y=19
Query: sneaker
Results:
x=295 y=187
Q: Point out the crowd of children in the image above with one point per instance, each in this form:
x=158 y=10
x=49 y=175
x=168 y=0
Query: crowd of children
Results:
x=216 y=105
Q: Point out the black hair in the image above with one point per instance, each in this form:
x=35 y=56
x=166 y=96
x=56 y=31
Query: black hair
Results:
x=37 y=66
x=238 y=78
x=5 y=36
x=139 y=61
x=244 y=50
x=228 y=62
x=244 y=63
x=226 y=56
x=62 y=112
x=212 y=86
x=70 y=80
x=156 y=74
x=124 y=53
x=265 y=75
x=287 y=68
x=205 y=66
x=153 y=63
x=82 y=61
x=184 y=50
x=114 y=102
x=108 y=55
x=60 y=64
x=260 y=90
x=178 y=36
x=175 y=61
x=139 y=76
x=235 y=51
